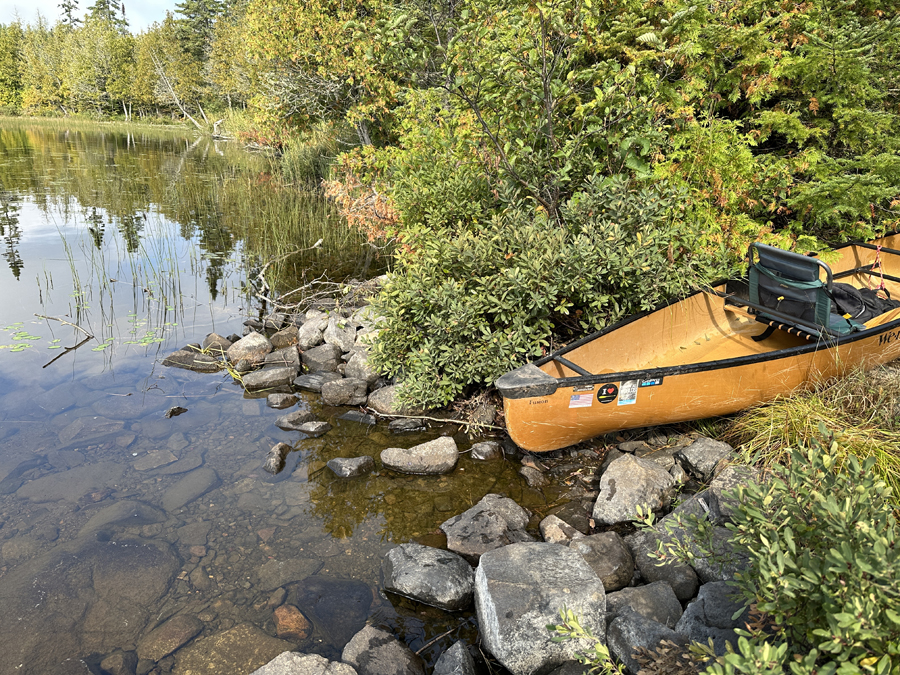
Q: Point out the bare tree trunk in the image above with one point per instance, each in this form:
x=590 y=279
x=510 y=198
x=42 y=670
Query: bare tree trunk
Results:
x=362 y=131
x=165 y=80
x=205 y=118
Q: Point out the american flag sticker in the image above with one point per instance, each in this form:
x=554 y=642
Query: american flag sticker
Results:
x=581 y=401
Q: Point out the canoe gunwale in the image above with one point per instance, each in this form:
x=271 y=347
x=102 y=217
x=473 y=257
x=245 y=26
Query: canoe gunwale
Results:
x=540 y=387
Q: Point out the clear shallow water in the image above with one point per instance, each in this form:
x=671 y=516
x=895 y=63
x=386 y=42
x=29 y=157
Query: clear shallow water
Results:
x=114 y=518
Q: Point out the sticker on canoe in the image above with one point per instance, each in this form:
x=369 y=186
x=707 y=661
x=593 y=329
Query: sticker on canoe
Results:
x=607 y=393
x=581 y=401
x=628 y=392
x=653 y=382
x=583 y=387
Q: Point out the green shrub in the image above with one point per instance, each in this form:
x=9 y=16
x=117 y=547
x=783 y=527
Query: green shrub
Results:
x=468 y=303
x=824 y=551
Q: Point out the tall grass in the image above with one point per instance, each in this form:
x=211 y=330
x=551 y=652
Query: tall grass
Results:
x=861 y=411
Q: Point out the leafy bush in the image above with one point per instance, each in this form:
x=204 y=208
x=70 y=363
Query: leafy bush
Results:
x=466 y=304
x=824 y=551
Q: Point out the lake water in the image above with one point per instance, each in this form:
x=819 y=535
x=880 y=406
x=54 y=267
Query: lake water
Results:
x=115 y=518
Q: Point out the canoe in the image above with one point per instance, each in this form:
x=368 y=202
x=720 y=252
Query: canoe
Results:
x=714 y=352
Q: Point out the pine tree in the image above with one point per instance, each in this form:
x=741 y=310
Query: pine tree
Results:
x=108 y=10
x=69 y=8
x=196 y=25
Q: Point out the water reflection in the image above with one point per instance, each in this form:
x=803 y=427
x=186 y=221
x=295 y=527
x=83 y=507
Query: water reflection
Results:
x=115 y=518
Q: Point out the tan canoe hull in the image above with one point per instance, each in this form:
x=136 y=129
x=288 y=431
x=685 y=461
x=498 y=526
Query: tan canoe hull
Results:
x=691 y=359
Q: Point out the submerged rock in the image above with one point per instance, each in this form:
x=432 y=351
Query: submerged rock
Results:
x=348 y=467
x=434 y=457
x=292 y=663
x=290 y=624
x=241 y=649
x=293 y=421
x=315 y=428
x=275 y=459
x=165 y=639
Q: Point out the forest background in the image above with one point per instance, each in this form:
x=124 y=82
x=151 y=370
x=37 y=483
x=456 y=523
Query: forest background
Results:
x=540 y=169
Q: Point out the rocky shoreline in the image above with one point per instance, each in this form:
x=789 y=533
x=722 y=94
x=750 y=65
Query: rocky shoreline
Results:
x=517 y=579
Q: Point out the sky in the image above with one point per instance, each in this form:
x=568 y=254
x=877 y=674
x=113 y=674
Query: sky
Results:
x=140 y=13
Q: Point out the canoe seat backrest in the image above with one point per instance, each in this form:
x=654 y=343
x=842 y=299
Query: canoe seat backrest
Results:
x=792 y=284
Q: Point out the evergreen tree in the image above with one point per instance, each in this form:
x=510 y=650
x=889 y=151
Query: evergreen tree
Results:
x=108 y=10
x=11 y=37
x=69 y=8
x=196 y=25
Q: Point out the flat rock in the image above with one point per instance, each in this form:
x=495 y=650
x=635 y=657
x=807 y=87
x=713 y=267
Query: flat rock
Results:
x=293 y=421
x=630 y=482
x=434 y=457
x=280 y=401
x=348 y=467
x=608 y=556
x=520 y=589
x=655 y=601
x=373 y=651
x=703 y=456
x=493 y=522
x=324 y=358
x=406 y=424
x=89 y=428
x=277 y=573
x=384 y=401
x=348 y=391
x=429 y=575
x=252 y=348
x=183 y=465
x=154 y=459
x=313 y=381
x=534 y=477
x=119 y=663
x=189 y=359
x=165 y=639
x=292 y=663
x=193 y=485
x=73 y=484
x=241 y=649
x=338 y=608
x=455 y=661
x=122 y=514
x=358 y=417
x=269 y=378
x=630 y=631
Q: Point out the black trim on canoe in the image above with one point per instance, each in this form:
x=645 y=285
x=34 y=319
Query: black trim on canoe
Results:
x=529 y=381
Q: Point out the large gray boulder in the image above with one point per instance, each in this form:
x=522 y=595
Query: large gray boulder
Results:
x=429 y=575
x=348 y=391
x=251 y=348
x=608 y=556
x=376 y=652
x=455 y=661
x=721 y=493
x=520 y=589
x=434 y=457
x=292 y=663
x=350 y=467
x=323 y=358
x=493 y=522
x=286 y=357
x=655 y=601
x=630 y=482
x=215 y=343
x=703 y=456
x=630 y=631
x=710 y=616
x=286 y=337
x=557 y=531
